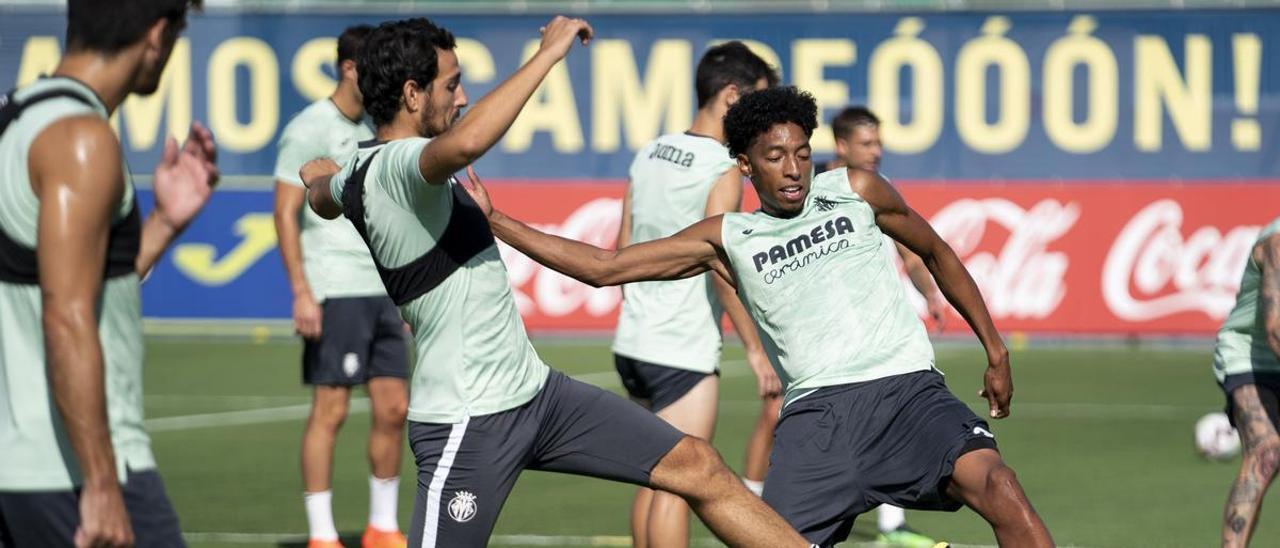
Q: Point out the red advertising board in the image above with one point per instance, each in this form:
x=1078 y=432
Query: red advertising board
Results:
x=1097 y=257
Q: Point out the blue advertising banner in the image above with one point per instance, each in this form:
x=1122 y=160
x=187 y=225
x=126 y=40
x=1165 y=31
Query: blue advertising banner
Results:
x=977 y=96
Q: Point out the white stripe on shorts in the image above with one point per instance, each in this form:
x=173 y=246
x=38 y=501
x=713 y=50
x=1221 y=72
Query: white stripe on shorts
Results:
x=431 y=522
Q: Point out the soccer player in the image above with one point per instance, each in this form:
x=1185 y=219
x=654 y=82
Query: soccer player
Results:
x=867 y=419
x=75 y=462
x=667 y=345
x=483 y=406
x=857 y=136
x=352 y=331
x=1246 y=361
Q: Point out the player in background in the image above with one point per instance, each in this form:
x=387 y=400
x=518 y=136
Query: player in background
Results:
x=857 y=138
x=1246 y=361
x=483 y=405
x=76 y=467
x=867 y=418
x=352 y=332
x=667 y=345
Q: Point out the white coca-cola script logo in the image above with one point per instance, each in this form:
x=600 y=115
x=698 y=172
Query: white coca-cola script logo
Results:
x=553 y=294
x=1150 y=255
x=1024 y=279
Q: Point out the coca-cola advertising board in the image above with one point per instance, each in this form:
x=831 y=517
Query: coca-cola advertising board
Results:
x=1106 y=257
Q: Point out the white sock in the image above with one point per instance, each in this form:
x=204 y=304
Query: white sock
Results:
x=890 y=517
x=320 y=515
x=756 y=487
x=383 y=494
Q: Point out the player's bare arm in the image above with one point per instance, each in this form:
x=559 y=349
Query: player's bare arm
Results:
x=183 y=182
x=316 y=175
x=687 y=253
x=77 y=174
x=288 y=204
x=903 y=224
x=922 y=280
x=489 y=119
x=1267 y=256
x=725 y=197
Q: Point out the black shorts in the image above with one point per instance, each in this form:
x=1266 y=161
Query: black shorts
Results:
x=49 y=519
x=361 y=338
x=1268 y=385
x=656 y=386
x=843 y=450
x=466 y=470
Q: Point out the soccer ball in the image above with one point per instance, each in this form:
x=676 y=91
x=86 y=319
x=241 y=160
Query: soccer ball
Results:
x=1215 y=438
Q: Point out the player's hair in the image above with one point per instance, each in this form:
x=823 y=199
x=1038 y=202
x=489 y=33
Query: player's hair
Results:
x=730 y=63
x=755 y=113
x=851 y=117
x=396 y=52
x=109 y=26
x=351 y=40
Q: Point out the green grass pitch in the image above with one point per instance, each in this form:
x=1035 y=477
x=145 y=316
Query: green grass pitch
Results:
x=1100 y=437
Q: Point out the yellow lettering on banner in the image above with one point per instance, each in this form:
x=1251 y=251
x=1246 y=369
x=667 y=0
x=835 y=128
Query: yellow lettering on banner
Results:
x=1246 y=48
x=1159 y=87
x=809 y=58
x=620 y=99
x=906 y=49
x=308 y=68
x=551 y=109
x=141 y=114
x=264 y=93
x=40 y=55
x=1079 y=47
x=197 y=261
x=475 y=60
x=1014 y=74
x=757 y=47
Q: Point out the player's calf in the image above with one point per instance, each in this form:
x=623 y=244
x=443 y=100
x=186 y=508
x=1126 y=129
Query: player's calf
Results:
x=694 y=471
x=984 y=483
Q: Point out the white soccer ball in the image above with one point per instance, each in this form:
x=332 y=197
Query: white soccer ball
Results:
x=1215 y=438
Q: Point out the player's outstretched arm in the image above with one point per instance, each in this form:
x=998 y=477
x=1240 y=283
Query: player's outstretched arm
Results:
x=1267 y=255
x=317 y=175
x=182 y=185
x=687 y=253
x=903 y=224
x=486 y=122
x=77 y=175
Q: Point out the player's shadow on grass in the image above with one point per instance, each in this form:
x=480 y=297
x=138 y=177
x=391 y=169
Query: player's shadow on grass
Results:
x=348 y=539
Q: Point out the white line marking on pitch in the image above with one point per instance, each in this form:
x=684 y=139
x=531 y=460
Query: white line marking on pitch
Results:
x=495 y=540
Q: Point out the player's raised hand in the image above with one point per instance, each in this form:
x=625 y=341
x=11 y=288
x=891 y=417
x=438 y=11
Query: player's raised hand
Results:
x=477 y=191
x=317 y=168
x=559 y=34
x=998 y=386
x=185 y=176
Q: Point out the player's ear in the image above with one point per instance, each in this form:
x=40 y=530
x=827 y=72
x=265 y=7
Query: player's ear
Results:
x=348 y=67
x=731 y=94
x=410 y=92
x=157 y=37
x=842 y=146
x=744 y=165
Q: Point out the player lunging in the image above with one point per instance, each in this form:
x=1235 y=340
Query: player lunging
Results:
x=857 y=137
x=352 y=332
x=483 y=406
x=1246 y=361
x=76 y=467
x=667 y=345
x=867 y=419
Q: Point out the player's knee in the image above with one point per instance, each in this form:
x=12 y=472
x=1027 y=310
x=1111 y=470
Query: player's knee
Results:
x=1002 y=482
x=694 y=467
x=391 y=414
x=1265 y=458
x=329 y=415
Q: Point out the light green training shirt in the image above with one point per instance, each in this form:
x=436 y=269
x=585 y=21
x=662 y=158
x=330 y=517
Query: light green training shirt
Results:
x=334 y=258
x=35 y=454
x=825 y=298
x=1242 y=342
x=474 y=357
x=673 y=323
